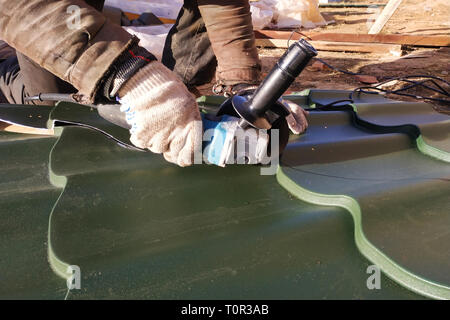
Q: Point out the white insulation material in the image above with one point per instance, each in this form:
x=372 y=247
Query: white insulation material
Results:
x=265 y=13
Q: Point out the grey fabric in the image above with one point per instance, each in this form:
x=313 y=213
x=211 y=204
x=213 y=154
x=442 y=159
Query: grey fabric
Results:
x=11 y=81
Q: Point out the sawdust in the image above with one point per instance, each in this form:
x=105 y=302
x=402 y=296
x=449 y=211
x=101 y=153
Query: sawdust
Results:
x=411 y=17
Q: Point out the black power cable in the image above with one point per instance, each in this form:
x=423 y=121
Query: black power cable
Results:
x=375 y=89
x=340 y=70
x=412 y=84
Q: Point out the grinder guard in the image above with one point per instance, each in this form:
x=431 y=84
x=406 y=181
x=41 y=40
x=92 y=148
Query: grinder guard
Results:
x=276 y=116
x=261 y=108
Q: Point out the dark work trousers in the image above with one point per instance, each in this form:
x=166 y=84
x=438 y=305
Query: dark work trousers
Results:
x=187 y=50
x=20 y=77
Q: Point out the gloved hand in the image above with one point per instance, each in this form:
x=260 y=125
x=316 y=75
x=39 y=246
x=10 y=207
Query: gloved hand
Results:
x=297 y=119
x=163 y=114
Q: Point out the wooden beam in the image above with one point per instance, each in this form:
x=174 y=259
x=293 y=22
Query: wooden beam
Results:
x=394 y=49
x=385 y=15
x=21 y=129
x=403 y=39
x=351 y=5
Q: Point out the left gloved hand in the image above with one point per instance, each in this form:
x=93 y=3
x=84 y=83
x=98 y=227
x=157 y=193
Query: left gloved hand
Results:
x=297 y=119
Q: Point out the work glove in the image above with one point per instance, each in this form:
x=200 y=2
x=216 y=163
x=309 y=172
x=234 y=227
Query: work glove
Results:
x=296 y=120
x=163 y=115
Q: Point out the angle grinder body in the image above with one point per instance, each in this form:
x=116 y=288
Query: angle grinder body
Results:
x=261 y=108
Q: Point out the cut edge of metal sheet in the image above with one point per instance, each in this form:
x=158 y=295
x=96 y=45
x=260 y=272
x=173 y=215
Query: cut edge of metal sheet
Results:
x=431 y=151
x=394 y=271
x=59 y=267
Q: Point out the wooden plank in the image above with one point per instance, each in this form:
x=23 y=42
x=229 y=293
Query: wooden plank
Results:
x=385 y=15
x=394 y=49
x=21 y=129
x=133 y=16
x=351 y=5
x=404 y=39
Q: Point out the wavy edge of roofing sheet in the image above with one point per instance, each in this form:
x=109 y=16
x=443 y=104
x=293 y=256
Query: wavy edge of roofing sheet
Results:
x=393 y=270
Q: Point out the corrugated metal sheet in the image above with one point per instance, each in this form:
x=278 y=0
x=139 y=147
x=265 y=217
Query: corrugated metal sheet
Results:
x=139 y=227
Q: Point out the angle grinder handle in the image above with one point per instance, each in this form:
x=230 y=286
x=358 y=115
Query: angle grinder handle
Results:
x=290 y=65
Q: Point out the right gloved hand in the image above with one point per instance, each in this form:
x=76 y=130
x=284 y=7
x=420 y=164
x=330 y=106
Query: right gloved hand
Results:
x=163 y=114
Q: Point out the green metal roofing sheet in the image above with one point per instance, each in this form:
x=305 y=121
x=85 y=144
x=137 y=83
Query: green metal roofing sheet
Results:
x=357 y=189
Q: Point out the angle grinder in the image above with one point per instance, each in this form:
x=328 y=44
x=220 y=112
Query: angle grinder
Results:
x=262 y=108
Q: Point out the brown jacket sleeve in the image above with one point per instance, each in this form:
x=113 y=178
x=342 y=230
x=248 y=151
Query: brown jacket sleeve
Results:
x=40 y=30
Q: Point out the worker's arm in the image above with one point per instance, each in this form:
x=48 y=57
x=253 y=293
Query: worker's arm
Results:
x=44 y=31
x=104 y=58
